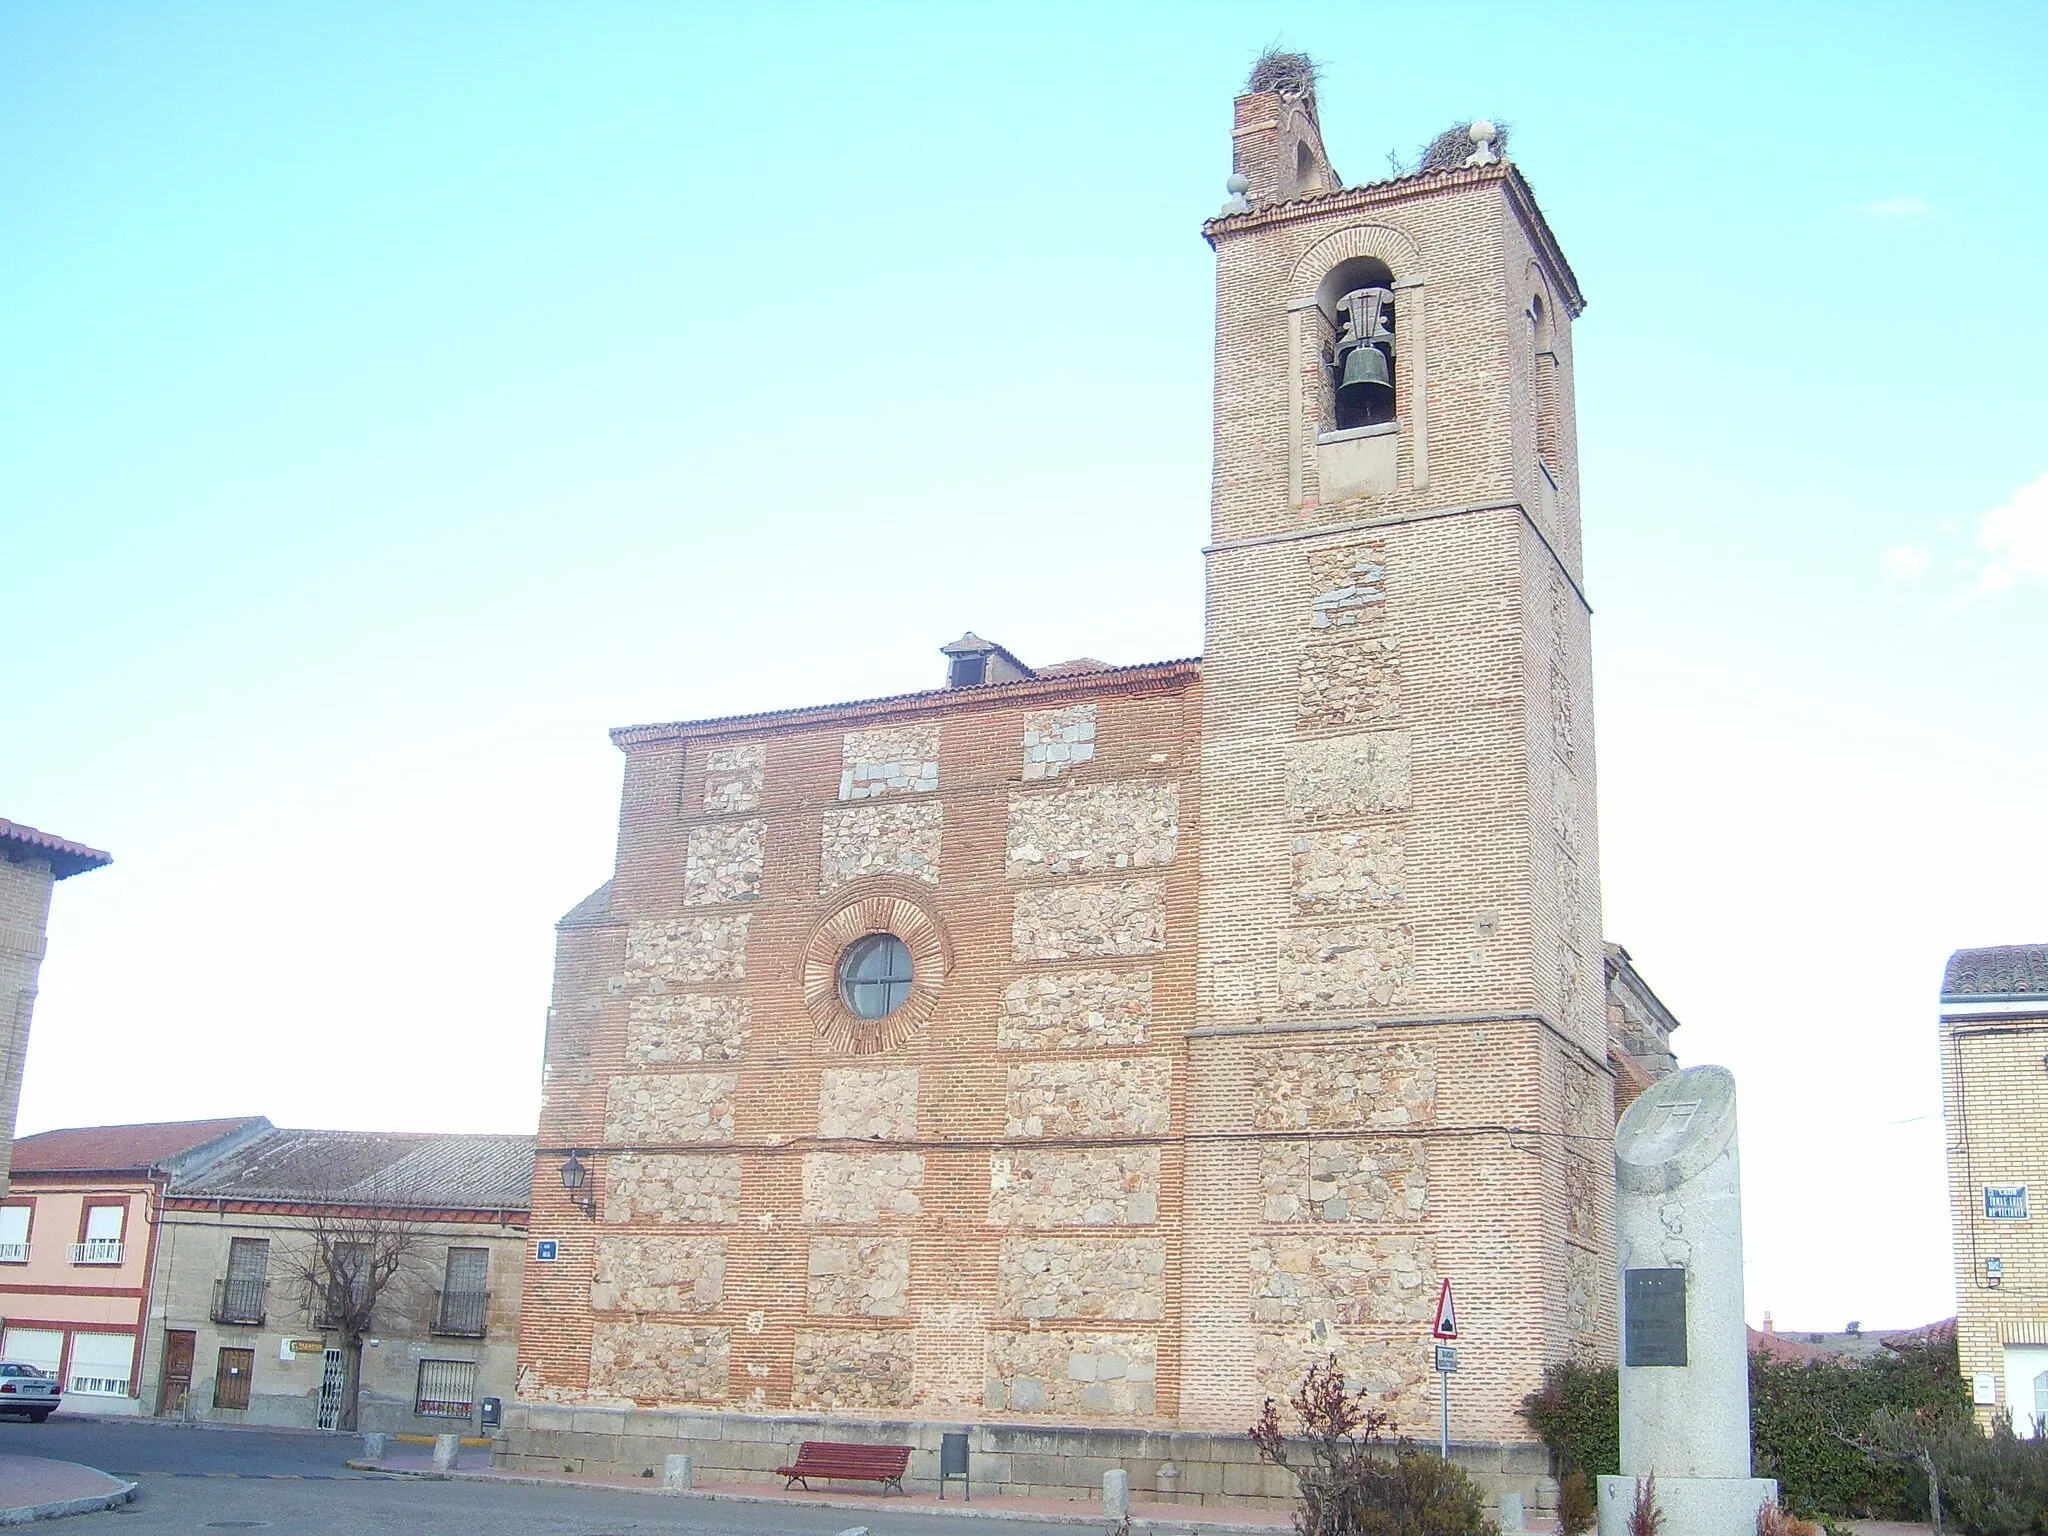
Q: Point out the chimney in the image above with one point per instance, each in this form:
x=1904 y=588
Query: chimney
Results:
x=1276 y=142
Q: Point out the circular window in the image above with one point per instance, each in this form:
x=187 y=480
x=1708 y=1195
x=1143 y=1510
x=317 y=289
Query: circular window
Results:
x=874 y=975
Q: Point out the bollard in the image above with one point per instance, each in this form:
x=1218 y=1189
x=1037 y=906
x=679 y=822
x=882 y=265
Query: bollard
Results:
x=373 y=1447
x=1511 y=1514
x=675 y=1474
x=446 y=1449
x=1116 y=1495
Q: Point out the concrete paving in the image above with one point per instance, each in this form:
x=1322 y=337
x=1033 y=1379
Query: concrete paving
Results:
x=38 y=1488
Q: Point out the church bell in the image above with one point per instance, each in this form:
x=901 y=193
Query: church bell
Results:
x=1367 y=382
x=1365 y=369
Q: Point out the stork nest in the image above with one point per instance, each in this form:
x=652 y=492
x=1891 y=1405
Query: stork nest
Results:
x=1453 y=147
x=1291 y=74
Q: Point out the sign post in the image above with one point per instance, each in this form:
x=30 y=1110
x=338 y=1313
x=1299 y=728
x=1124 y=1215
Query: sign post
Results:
x=1446 y=1362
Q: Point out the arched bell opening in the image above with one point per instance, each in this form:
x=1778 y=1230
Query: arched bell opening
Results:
x=1356 y=298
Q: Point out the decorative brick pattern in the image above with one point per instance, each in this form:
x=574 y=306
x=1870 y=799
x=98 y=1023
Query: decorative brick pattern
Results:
x=1349 y=871
x=1090 y=922
x=1073 y=1010
x=1344 y=1087
x=1343 y=1180
x=711 y=947
x=895 y=759
x=1119 y=1097
x=1058 y=740
x=670 y=1106
x=1087 y=1187
x=669 y=1187
x=686 y=1028
x=878 y=1104
x=659 y=1363
x=732 y=777
x=643 y=1272
x=861 y=1188
x=1354 y=775
x=868 y=840
x=1369 y=965
x=859 y=1276
x=1114 y=1279
x=724 y=863
x=1092 y=828
x=1094 y=1374
x=1379 y=1279
x=845 y=1368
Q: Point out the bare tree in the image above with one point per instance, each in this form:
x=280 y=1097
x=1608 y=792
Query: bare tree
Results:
x=344 y=1270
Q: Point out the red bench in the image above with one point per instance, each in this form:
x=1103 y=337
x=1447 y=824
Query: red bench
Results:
x=884 y=1464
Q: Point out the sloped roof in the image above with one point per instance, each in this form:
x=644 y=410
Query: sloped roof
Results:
x=415 y=1169
x=593 y=911
x=123 y=1148
x=66 y=857
x=2007 y=972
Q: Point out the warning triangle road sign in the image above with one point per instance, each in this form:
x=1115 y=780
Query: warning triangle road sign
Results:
x=1446 y=1314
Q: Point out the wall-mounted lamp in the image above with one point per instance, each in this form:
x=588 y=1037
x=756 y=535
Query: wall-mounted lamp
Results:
x=575 y=1179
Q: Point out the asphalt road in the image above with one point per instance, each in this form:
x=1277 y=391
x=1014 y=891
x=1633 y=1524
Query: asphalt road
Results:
x=294 y=1483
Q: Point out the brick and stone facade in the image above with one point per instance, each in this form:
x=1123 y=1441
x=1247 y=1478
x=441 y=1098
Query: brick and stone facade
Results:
x=1252 y=997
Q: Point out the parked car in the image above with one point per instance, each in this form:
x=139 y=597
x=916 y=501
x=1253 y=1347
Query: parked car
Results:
x=24 y=1389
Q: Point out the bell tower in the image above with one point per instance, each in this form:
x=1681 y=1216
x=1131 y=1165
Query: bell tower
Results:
x=1399 y=1073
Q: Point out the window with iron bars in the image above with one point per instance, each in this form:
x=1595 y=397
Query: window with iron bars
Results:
x=239 y=1297
x=447 y=1389
x=462 y=1309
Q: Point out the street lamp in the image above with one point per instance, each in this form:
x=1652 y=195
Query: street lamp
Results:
x=574 y=1178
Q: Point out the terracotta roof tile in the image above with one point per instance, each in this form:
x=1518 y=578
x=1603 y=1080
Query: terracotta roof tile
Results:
x=2010 y=971
x=416 y=1169
x=66 y=857
x=105 y=1148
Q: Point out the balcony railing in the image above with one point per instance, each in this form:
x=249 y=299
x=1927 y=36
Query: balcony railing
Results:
x=461 y=1314
x=239 y=1299
x=13 y=1253
x=99 y=1250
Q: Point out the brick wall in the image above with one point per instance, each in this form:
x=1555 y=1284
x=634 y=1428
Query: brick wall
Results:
x=24 y=915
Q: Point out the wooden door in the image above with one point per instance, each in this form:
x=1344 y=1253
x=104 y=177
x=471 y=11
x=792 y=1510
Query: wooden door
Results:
x=231 y=1378
x=178 y=1351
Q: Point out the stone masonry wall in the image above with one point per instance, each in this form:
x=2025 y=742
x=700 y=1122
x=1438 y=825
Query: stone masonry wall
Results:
x=659 y=1362
x=1079 y=1373
x=866 y=840
x=1070 y=1010
x=1348 y=871
x=732 y=777
x=859 y=1276
x=685 y=1028
x=861 y=1188
x=1058 y=740
x=1343 y=1180
x=1096 y=1278
x=670 y=1187
x=1087 y=922
x=724 y=863
x=641 y=1272
x=1084 y=1187
x=1120 y=1097
x=868 y=1103
x=893 y=759
x=670 y=1106
x=1091 y=828
x=1352 y=775
x=1341 y=1088
x=845 y=1368
x=1299 y=1277
x=712 y=947
x=1366 y=965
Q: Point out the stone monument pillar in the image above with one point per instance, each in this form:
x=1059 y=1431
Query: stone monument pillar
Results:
x=1685 y=1346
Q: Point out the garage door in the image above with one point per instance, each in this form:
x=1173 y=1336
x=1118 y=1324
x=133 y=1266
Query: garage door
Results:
x=100 y=1363
x=42 y=1348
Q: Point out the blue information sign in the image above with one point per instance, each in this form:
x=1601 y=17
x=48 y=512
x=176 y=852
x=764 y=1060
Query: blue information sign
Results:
x=545 y=1249
x=2005 y=1202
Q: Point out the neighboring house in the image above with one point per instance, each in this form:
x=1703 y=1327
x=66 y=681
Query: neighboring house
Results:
x=1854 y=1344
x=1994 y=1091
x=234 y=1336
x=78 y=1246
x=31 y=862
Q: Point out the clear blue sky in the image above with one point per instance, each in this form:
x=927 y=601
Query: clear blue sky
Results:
x=394 y=397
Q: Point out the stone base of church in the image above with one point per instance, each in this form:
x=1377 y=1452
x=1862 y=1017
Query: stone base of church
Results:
x=1693 y=1506
x=1166 y=1466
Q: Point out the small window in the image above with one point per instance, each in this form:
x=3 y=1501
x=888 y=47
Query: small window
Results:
x=447 y=1389
x=233 y=1372
x=465 y=1303
x=101 y=1364
x=969 y=671
x=874 y=975
x=14 y=1234
x=243 y=1289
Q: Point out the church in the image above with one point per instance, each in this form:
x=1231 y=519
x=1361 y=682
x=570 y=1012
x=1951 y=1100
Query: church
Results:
x=1072 y=1054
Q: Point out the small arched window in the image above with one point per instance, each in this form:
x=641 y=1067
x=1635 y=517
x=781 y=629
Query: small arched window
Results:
x=1543 y=357
x=1357 y=301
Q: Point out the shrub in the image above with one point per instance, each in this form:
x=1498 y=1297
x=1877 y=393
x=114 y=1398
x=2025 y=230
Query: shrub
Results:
x=1577 y=1414
x=1995 y=1484
x=1644 y=1517
x=1349 y=1483
x=1577 y=1510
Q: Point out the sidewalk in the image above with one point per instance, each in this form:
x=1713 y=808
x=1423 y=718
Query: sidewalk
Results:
x=35 y=1488
x=1210 y=1520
